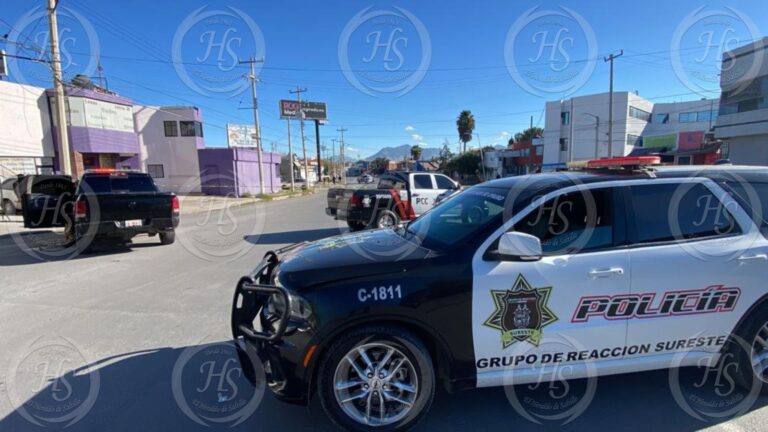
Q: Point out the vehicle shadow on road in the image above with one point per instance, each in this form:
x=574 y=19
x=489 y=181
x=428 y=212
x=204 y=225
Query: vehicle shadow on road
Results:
x=40 y=246
x=200 y=387
x=293 y=236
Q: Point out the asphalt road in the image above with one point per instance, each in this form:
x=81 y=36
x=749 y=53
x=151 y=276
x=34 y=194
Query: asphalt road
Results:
x=129 y=338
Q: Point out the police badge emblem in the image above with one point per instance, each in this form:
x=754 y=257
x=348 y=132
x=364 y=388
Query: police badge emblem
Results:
x=521 y=313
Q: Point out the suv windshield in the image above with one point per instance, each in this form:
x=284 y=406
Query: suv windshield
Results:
x=459 y=218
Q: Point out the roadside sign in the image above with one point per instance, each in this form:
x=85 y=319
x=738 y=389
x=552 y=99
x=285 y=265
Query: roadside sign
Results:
x=312 y=110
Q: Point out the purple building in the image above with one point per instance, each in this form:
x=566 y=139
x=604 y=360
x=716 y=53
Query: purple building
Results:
x=235 y=171
x=101 y=130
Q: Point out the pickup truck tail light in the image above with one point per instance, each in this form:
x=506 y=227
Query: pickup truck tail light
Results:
x=355 y=201
x=175 y=204
x=80 y=209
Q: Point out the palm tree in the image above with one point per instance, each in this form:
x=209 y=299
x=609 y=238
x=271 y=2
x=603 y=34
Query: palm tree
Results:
x=529 y=134
x=416 y=152
x=465 y=125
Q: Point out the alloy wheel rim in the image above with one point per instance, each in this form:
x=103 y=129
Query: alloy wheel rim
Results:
x=760 y=354
x=375 y=384
x=386 y=221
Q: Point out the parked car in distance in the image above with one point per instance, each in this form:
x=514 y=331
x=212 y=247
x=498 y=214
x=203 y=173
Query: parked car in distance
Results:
x=9 y=198
x=365 y=179
x=114 y=204
x=399 y=196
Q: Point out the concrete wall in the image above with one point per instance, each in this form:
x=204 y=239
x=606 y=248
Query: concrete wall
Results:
x=749 y=150
x=178 y=155
x=26 y=128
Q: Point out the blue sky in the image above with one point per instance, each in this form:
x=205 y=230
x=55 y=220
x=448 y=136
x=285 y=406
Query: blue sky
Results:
x=500 y=59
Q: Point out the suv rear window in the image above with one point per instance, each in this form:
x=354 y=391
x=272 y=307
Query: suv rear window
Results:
x=117 y=183
x=754 y=201
x=676 y=212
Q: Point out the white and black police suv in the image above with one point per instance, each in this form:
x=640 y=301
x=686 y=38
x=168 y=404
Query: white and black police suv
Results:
x=627 y=264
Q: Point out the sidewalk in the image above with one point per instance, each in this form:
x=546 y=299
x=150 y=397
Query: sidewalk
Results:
x=190 y=204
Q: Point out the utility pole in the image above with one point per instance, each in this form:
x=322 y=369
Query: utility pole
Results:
x=333 y=155
x=597 y=133
x=290 y=154
x=319 y=157
x=343 y=158
x=58 y=89
x=610 y=58
x=298 y=93
x=252 y=61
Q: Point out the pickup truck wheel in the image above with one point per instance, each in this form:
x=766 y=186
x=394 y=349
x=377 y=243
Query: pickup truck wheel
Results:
x=355 y=226
x=8 y=208
x=376 y=378
x=387 y=219
x=167 y=237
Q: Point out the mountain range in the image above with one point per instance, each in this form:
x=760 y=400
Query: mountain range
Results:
x=404 y=151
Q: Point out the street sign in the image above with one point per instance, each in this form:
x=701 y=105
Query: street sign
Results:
x=241 y=135
x=312 y=110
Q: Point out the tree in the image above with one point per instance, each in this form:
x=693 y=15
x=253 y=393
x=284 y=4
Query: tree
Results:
x=465 y=164
x=445 y=154
x=416 y=152
x=528 y=134
x=379 y=165
x=465 y=125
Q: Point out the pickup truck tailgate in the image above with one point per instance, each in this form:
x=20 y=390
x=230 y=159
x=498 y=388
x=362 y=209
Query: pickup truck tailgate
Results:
x=145 y=205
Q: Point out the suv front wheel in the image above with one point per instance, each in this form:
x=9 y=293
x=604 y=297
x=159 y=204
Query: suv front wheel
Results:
x=376 y=378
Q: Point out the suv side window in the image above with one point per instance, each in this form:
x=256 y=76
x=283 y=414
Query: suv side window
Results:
x=574 y=222
x=422 y=181
x=444 y=182
x=678 y=212
x=754 y=202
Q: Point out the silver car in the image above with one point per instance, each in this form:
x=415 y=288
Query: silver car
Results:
x=8 y=196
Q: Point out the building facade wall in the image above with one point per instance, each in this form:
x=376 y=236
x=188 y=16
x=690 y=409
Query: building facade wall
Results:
x=234 y=171
x=26 y=142
x=171 y=160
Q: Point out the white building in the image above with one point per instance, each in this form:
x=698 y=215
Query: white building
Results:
x=169 y=139
x=743 y=120
x=26 y=143
x=577 y=128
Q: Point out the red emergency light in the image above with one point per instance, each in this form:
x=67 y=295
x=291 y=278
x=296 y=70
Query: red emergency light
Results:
x=624 y=162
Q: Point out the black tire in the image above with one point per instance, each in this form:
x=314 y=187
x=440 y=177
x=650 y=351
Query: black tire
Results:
x=8 y=208
x=386 y=219
x=404 y=342
x=740 y=349
x=355 y=226
x=167 y=237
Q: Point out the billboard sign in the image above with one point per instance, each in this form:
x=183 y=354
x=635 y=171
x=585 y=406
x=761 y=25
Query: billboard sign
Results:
x=241 y=135
x=312 y=110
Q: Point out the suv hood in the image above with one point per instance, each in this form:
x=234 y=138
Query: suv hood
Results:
x=348 y=256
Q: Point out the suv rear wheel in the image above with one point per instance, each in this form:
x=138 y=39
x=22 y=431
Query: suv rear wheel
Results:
x=749 y=348
x=387 y=219
x=376 y=378
x=8 y=208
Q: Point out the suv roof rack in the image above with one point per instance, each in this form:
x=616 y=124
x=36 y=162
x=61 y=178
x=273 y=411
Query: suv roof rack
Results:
x=627 y=164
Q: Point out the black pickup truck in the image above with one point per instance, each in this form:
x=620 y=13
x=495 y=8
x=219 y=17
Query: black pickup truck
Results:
x=399 y=196
x=114 y=204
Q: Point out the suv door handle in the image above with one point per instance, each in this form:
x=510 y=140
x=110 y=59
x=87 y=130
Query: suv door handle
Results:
x=761 y=257
x=606 y=272
x=414 y=195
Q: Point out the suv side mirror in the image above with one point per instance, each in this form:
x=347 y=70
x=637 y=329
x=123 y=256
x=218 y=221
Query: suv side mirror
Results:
x=517 y=246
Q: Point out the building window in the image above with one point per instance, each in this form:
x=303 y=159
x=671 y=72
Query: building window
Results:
x=191 y=128
x=171 y=128
x=662 y=118
x=750 y=98
x=687 y=117
x=565 y=118
x=634 y=140
x=563 y=144
x=639 y=114
x=156 y=171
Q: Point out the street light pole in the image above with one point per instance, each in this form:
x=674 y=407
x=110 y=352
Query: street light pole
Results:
x=610 y=58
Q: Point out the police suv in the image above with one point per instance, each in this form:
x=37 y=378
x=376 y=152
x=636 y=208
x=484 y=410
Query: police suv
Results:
x=620 y=267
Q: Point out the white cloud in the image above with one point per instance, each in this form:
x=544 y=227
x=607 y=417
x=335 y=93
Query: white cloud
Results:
x=417 y=138
x=410 y=128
